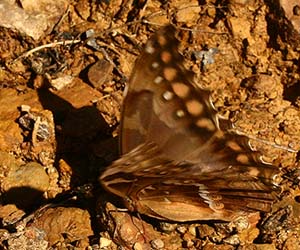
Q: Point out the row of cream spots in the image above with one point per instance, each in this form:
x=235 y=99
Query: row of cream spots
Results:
x=180 y=89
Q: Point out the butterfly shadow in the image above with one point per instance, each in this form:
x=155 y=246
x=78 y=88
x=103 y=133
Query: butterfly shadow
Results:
x=79 y=133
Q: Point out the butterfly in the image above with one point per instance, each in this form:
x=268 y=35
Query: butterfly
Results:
x=177 y=164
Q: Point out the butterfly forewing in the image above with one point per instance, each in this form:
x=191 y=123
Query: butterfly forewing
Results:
x=162 y=104
x=177 y=164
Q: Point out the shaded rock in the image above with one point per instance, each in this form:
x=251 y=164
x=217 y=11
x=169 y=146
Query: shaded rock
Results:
x=24 y=184
x=65 y=224
x=10 y=214
x=99 y=73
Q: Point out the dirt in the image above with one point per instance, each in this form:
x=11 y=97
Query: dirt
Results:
x=60 y=111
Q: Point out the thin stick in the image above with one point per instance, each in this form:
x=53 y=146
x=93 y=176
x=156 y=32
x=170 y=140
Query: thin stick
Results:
x=49 y=45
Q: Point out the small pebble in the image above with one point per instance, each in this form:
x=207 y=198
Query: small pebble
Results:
x=157 y=244
x=104 y=242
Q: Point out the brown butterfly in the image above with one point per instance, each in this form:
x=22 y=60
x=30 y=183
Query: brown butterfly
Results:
x=176 y=163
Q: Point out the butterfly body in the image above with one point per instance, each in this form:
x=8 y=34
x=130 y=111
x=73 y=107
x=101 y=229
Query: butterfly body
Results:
x=176 y=163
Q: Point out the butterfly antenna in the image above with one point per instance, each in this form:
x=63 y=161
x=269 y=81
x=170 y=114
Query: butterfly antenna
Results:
x=286 y=148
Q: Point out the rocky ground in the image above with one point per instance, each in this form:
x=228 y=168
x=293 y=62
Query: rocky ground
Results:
x=64 y=66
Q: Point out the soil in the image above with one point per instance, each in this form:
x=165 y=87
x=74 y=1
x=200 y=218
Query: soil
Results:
x=60 y=112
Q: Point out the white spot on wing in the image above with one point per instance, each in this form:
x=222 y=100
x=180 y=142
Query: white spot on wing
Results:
x=149 y=48
x=155 y=65
x=168 y=95
x=158 y=80
x=180 y=113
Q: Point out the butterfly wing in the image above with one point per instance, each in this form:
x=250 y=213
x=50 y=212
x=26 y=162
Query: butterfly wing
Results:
x=176 y=163
x=163 y=105
x=158 y=187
